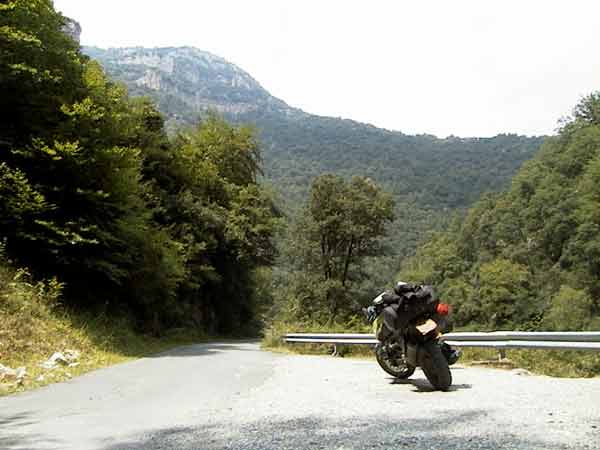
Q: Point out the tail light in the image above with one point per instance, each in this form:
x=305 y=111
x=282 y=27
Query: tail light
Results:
x=442 y=309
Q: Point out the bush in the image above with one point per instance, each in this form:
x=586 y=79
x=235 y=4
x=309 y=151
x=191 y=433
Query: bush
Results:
x=570 y=310
x=25 y=309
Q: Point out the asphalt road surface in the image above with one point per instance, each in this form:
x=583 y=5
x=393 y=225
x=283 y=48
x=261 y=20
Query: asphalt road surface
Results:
x=234 y=396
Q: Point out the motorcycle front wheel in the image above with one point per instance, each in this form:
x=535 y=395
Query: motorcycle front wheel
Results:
x=393 y=362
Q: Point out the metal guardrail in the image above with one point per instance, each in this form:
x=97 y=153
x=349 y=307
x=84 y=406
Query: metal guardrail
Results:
x=569 y=340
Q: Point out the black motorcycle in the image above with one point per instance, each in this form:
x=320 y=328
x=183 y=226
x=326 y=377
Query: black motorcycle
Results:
x=417 y=344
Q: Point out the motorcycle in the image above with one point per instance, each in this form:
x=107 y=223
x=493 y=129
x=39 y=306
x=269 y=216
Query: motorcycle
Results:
x=417 y=344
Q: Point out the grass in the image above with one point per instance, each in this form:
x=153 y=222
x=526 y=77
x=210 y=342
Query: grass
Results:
x=555 y=363
x=33 y=325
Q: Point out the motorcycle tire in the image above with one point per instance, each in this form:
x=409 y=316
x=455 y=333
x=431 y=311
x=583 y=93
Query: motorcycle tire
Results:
x=435 y=366
x=397 y=369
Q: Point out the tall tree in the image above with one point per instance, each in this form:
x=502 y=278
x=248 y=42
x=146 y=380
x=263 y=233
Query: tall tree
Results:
x=342 y=224
x=346 y=221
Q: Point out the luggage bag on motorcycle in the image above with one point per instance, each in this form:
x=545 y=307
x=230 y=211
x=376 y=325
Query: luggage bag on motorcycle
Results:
x=420 y=301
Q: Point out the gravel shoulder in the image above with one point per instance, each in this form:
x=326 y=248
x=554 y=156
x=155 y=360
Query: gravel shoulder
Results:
x=234 y=396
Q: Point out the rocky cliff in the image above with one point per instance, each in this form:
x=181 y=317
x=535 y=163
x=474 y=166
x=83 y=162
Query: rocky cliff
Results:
x=187 y=82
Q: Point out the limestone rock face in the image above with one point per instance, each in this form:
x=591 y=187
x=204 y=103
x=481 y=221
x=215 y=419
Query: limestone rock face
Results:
x=73 y=29
x=186 y=78
x=151 y=80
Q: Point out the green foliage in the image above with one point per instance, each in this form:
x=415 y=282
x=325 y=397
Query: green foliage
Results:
x=206 y=194
x=94 y=192
x=39 y=68
x=569 y=310
x=529 y=258
x=503 y=292
x=327 y=248
x=25 y=303
x=21 y=202
x=344 y=222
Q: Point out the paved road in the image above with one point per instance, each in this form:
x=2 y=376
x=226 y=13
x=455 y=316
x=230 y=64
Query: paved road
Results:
x=234 y=396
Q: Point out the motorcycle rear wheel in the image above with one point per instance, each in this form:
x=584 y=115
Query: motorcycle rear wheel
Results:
x=435 y=366
x=397 y=366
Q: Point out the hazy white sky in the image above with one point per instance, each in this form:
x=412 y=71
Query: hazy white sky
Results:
x=468 y=68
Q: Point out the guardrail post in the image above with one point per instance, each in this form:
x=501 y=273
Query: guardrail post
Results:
x=501 y=354
x=335 y=351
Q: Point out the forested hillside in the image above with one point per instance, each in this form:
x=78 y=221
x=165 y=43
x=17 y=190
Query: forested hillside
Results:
x=429 y=177
x=529 y=258
x=170 y=231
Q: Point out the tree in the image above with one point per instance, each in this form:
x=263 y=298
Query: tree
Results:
x=342 y=225
x=205 y=192
x=569 y=310
x=40 y=69
x=503 y=293
x=345 y=223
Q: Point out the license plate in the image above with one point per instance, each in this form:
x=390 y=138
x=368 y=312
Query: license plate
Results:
x=427 y=327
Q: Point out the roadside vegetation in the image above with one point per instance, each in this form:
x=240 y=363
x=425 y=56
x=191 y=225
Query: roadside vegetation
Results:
x=34 y=324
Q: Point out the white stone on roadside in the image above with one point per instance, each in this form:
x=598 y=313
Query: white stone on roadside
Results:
x=64 y=359
x=72 y=355
x=521 y=372
x=21 y=373
x=50 y=363
x=47 y=365
x=40 y=378
x=58 y=358
x=7 y=373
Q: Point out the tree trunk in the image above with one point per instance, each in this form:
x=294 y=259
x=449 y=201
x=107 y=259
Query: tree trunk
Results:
x=347 y=262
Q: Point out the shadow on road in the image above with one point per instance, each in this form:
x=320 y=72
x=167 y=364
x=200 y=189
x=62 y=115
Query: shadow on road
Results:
x=10 y=438
x=208 y=349
x=16 y=419
x=422 y=385
x=456 y=431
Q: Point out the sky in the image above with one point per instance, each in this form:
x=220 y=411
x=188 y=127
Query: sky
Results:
x=464 y=67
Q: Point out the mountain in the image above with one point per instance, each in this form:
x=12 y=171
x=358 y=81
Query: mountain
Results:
x=429 y=177
x=187 y=82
